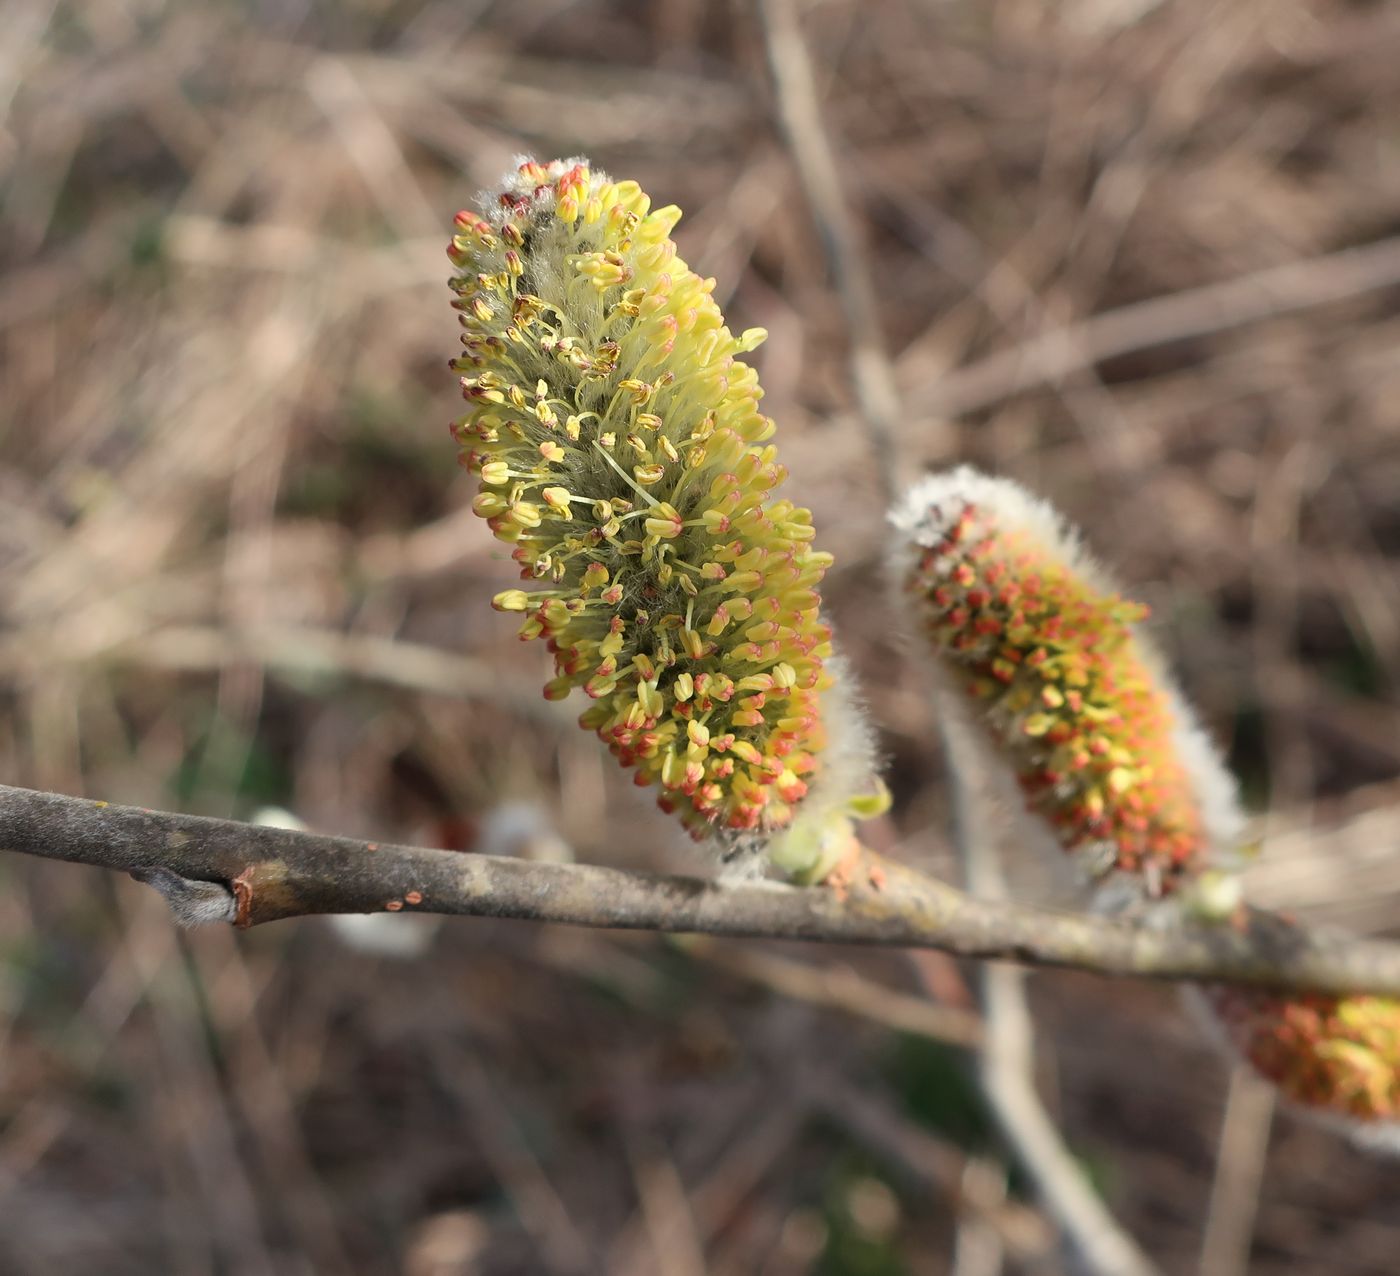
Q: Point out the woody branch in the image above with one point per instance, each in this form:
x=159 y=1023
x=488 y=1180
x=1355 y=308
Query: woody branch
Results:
x=249 y=874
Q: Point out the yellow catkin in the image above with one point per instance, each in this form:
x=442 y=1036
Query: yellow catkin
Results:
x=622 y=454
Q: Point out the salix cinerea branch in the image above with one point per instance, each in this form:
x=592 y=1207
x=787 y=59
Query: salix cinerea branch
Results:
x=223 y=870
x=621 y=452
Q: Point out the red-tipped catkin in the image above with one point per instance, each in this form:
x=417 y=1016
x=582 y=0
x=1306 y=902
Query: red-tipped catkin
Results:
x=1335 y=1058
x=1051 y=662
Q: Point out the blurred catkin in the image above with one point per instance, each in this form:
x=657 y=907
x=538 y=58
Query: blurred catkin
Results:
x=1335 y=1057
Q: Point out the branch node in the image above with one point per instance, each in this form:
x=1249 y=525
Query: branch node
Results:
x=243 y=894
x=194 y=903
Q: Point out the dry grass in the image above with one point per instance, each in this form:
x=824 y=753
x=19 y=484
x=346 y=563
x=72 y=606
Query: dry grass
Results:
x=234 y=568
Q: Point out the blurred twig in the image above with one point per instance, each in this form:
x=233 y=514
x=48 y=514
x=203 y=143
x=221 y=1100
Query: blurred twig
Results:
x=816 y=166
x=1239 y=1171
x=676 y=1249
x=840 y=988
x=1005 y=1062
x=315 y=652
x=1020 y=1229
x=1192 y=312
x=222 y=870
x=561 y=1246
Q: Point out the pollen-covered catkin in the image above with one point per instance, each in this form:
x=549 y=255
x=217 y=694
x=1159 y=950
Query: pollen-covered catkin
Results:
x=1336 y=1058
x=1050 y=661
x=622 y=453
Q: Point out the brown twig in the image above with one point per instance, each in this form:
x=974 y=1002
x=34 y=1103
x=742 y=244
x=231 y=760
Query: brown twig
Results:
x=212 y=870
x=1159 y=321
x=306 y=651
x=840 y=988
x=871 y=371
x=1006 y=1061
x=927 y=1157
x=1239 y=1175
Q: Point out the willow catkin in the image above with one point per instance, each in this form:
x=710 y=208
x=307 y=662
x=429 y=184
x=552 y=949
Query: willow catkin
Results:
x=622 y=453
x=1051 y=663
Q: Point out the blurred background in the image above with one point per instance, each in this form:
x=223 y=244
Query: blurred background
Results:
x=1141 y=255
